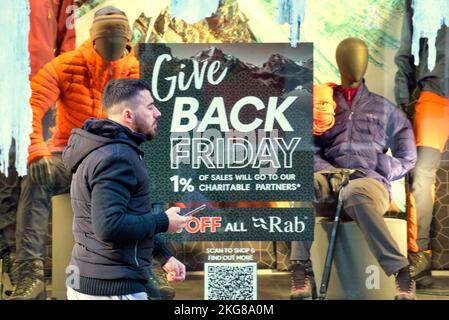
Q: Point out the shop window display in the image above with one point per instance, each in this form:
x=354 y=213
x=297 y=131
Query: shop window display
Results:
x=70 y=62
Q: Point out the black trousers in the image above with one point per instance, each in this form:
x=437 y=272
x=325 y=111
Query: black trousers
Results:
x=34 y=211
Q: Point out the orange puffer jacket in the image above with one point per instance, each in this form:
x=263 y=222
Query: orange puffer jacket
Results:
x=75 y=80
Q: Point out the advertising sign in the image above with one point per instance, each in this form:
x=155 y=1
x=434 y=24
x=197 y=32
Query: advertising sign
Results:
x=236 y=126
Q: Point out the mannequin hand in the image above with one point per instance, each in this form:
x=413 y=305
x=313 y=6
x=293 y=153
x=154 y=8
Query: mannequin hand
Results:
x=339 y=179
x=41 y=171
x=336 y=182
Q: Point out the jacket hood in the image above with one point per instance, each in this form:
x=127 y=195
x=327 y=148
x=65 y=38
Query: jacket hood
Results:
x=94 y=134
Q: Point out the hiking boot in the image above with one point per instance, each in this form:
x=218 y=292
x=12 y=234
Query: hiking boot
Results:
x=421 y=268
x=405 y=285
x=303 y=281
x=14 y=273
x=158 y=287
x=29 y=278
x=7 y=260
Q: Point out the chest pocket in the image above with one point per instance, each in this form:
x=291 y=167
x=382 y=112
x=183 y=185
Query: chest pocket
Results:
x=371 y=127
x=377 y=128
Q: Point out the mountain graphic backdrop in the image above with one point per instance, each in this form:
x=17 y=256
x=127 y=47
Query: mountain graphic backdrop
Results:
x=279 y=72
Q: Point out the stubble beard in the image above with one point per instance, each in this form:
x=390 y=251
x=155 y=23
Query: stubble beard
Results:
x=145 y=129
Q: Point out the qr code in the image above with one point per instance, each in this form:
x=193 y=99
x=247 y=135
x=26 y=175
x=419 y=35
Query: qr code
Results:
x=230 y=281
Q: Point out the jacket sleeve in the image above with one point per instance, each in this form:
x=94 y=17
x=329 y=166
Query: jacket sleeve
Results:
x=44 y=93
x=401 y=141
x=161 y=251
x=405 y=80
x=319 y=162
x=111 y=182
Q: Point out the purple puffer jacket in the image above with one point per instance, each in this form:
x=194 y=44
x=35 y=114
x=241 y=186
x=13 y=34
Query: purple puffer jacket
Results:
x=361 y=136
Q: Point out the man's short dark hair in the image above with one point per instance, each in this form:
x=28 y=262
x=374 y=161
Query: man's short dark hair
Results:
x=119 y=90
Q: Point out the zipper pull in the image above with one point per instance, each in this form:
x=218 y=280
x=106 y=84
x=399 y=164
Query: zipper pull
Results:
x=350 y=115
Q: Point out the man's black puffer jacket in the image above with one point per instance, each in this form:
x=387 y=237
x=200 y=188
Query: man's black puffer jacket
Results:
x=114 y=227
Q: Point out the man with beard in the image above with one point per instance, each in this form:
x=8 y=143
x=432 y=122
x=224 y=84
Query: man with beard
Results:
x=114 y=225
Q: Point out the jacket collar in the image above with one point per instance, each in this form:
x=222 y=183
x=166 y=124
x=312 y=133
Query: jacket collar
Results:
x=108 y=128
x=101 y=70
x=361 y=94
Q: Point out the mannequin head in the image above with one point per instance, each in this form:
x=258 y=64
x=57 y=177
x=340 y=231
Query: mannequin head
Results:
x=110 y=33
x=352 y=61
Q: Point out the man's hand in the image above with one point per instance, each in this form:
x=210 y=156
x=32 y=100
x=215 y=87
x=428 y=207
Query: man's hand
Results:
x=41 y=171
x=176 y=270
x=175 y=221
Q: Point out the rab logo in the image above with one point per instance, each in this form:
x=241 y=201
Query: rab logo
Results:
x=275 y=224
x=260 y=223
x=203 y=224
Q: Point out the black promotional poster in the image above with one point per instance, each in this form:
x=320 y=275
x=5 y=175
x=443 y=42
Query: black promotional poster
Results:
x=236 y=126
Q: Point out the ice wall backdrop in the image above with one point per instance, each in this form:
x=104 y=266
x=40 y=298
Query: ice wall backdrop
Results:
x=15 y=112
